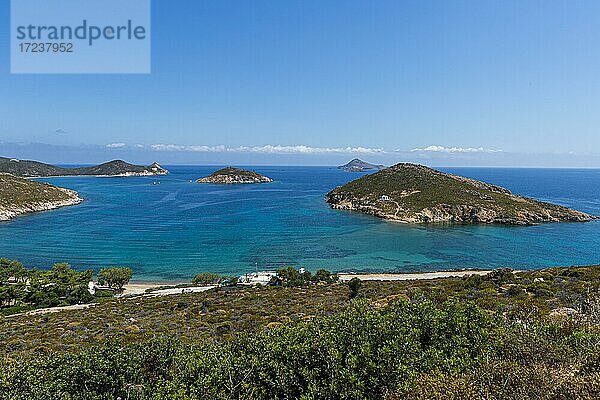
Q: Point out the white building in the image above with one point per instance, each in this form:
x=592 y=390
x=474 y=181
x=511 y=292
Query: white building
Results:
x=257 y=278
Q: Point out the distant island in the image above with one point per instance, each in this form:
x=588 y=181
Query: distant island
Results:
x=357 y=165
x=30 y=169
x=21 y=196
x=417 y=194
x=232 y=175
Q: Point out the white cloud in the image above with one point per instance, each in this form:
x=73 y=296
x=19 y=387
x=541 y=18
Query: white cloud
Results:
x=443 y=149
x=297 y=149
x=198 y=149
x=267 y=149
x=270 y=149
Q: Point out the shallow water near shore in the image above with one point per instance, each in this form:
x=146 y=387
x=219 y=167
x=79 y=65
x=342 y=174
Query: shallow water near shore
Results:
x=168 y=228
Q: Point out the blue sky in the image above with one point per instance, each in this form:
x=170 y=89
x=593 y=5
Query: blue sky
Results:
x=485 y=82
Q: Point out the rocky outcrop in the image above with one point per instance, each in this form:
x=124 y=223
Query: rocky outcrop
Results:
x=20 y=196
x=156 y=169
x=416 y=194
x=358 y=165
x=234 y=176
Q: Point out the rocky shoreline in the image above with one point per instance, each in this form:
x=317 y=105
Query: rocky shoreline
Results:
x=10 y=212
x=461 y=214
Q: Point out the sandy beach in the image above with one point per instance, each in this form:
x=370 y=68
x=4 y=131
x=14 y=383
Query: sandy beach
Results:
x=134 y=289
x=140 y=288
x=411 y=276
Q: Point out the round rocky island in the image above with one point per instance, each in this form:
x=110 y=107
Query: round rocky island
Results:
x=232 y=175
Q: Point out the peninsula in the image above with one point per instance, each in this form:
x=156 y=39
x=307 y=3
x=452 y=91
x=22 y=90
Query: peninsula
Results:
x=27 y=168
x=358 y=165
x=21 y=196
x=413 y=193
x=232 y=175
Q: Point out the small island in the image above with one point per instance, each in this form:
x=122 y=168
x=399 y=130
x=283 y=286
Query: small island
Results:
x=358 y=165
x=35 y=169
x=232 y=175
x=22 y=196
x=413 y=193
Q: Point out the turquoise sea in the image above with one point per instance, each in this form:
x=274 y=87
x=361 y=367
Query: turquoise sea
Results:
x=172 y=230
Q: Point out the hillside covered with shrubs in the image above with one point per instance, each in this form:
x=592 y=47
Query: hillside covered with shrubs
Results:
x=526 y=335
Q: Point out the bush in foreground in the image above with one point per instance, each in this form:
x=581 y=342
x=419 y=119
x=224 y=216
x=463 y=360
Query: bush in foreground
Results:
x=401 y=340
x=360 y=353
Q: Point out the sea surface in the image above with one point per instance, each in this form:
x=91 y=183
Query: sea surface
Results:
x=169 y=228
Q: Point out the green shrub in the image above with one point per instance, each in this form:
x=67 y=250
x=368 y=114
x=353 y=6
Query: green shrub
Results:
x=354 y=286
x=207 y=278
x=115 y=277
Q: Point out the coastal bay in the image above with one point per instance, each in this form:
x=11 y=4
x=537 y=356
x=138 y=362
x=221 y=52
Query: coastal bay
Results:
x=171 y=231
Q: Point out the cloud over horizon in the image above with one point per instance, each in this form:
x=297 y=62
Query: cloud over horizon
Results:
x=297 y=149
x=266 y=149
x=443 y=149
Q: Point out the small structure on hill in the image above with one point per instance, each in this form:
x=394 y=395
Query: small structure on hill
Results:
x=257 y=278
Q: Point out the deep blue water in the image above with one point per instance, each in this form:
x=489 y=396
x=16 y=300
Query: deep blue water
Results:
x=178 y=228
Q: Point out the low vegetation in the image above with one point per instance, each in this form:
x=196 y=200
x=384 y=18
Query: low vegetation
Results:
x=17 y=192
x=526 y=335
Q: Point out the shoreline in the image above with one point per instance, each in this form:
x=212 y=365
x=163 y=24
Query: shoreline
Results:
x=125 y=175
x=139 y=287
x=137 y=290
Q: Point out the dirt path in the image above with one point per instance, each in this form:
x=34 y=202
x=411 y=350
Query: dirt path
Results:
x=41 y=311
x=136 y=290
x=397 y=208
